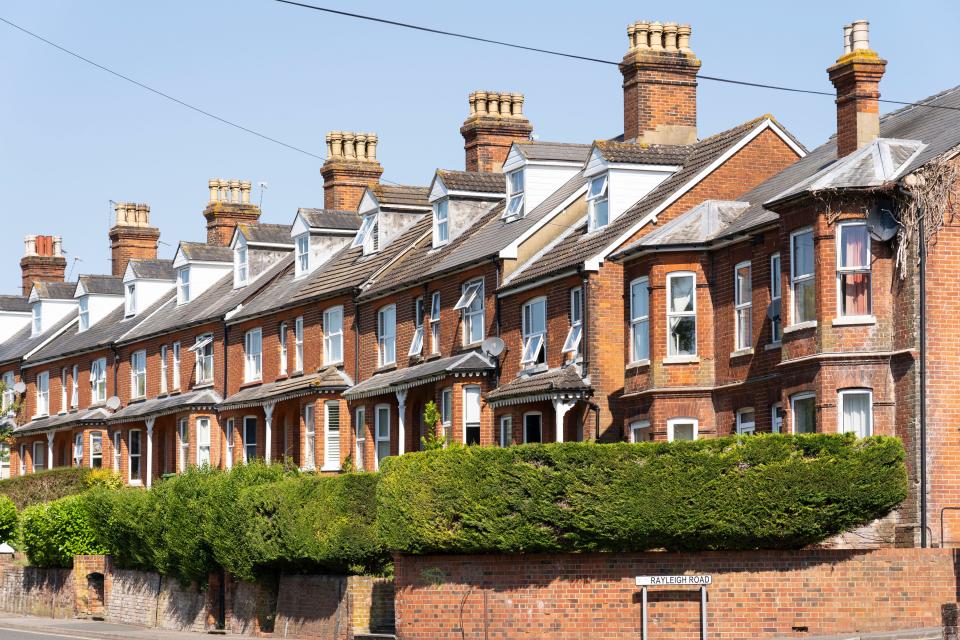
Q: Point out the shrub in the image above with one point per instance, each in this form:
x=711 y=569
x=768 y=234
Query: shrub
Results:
x=729 y=493
x=44 y=486
x=8 y=520
x=123 y=523
x=52 y=533
x=103 y=478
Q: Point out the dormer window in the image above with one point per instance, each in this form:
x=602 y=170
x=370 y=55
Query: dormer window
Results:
x=441 y=222
x=514 y=194
x=597 y=204
x=241 y=267
x=303 y=254
x=368 y=236
x=130 y=301
x=37 y=319
x=84 y=313
x=183 y=285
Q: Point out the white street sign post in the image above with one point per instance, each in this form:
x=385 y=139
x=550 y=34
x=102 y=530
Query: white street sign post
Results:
x=702 y=581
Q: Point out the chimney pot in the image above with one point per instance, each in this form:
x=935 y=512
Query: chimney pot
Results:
x=631 y=36
x=245 y=192
x=214 y=187
x=683 y=38
x=337 y=138
x=861 y=35
x=642 y=35
x=856 y=77
x=670 y=36
x=847 y=39
x=42 y=261
x=656 y=36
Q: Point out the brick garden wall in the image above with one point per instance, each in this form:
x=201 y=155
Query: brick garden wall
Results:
x=36 y=592
x=759 y=594
x=149 y=600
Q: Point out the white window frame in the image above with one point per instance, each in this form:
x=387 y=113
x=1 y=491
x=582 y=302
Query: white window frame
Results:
x=469 y=392
x=43 y=393
x=416 y=344
x=595 y=198
x=253 y=355
x=676 y=275
x=41 y=447
x=441 y=222
x=776 y=295
x=203 y=444
x=435 y=322
x=176 y=365
x=387 y=335
x=841 y=397
x=515 y=197
x=571 y=343
x=163 y=369
x=282 y=339
x=446 y=411
x=842 y=271
x=138 y=373
x=746 y=427
x=303 y=254
x=803 y=395
x=94 y=455
x=84 y=313
x=37 y=312
x=183 y=285
x=9 y=395
x=309 y=461
x=130 y=300
x=78 y=450
x=802 y=278
x=639 y=322
x=298 y=344
x=366 y=227
x=360 y=436
x=64 y=373
x=534 y=342
x=138 y=479
x=776 y=421
x=673 y=422
x=98 y=381
x=505 y=438
x=22 y=463
x=333 y=335
x=183 y=446
x=637 y=427
x=246 y=440
x=201 y=359
x=539 y=414
x=241 y=259
x=380 y=434
x=742 y=309
x=230 y=436
x=117 y=450
x=331 y=437
x=472 y=306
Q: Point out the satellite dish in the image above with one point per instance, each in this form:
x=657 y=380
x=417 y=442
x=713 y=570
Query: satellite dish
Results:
x=881 y=222
x=20 y=387
x=113 y=403
x=493 y=346
x=773 y=311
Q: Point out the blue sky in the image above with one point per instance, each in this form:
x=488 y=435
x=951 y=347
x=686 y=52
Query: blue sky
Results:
x=73 y=137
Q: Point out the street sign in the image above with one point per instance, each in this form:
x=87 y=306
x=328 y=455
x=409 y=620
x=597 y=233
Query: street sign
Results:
x=674 y=581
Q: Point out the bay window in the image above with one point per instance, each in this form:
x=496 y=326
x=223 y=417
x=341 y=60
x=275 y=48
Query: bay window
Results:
x=853 y=269
x=64 y=375
x=471 y=304
x=138 y=374
x=9 y=394
x=117 y=440
x=640 y=431
x=229 y=456
x=514 y=194
x=681 y=314
x=743 y=305
x=572 y=343
x=75 y=387
x=802 y=286
x=534 y=332
x=803 y=407
x=78 y=450
x=253 y=355
x=682 y=429
x=333 y=335
x=96 y=449
x=856 y=412
x=639 y=320
x=598 y=209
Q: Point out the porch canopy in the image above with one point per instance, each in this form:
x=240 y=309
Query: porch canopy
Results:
x=399 y=380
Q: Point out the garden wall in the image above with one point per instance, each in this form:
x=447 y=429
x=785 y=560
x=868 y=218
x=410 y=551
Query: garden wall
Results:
x=36 y=592
x=758 y=594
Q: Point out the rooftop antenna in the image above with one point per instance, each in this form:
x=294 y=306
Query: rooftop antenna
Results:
x=263 y=187
x=74 y=264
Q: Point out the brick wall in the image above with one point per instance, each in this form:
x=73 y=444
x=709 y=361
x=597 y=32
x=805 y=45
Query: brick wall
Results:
x=36 y=592
x=150 y=600
x=755 y=594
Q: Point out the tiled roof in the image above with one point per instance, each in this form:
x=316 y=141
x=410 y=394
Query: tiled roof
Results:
x=565 y=380
x=407 y=377
x=54 y=290
x=22 y=343
x=103 y=285
x=63 y=420
x=401 y=195
x=263 y=233
x=473 y=181
x=152 y=269
x=329 y=380
x=137 y=411
x=15 y=303
x=203 y=252
x=563 y=151
x=330 y=218
x=633 y=153
x=212 y=304
x=577 y=245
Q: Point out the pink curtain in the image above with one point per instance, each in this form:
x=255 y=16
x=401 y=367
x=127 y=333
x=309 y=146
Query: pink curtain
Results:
x=856 y=286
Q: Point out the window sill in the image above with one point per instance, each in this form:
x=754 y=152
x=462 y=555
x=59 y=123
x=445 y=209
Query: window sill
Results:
x=773 y=346
x=135 y=483
x=331 y=469
x=203 y=385
x=681 y=360
x=137 y=400
x=739 y=353
x=637 y=364
x=853 y=321
x=800 y=326
x=531 y=369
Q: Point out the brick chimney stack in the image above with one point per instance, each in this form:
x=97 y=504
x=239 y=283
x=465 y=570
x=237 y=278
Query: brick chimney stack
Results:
x=659 y=84
x=42 y=261
x=495 y=122
x=132 y=237
x=229 y=205
x=350 y=168
x=856 y=76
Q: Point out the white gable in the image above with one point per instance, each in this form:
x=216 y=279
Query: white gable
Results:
x=368 y=203
x=514 y=160
x=299 y=227
x=438 y=190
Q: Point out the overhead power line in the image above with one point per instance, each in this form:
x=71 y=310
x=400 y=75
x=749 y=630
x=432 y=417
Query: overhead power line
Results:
x=564 y=54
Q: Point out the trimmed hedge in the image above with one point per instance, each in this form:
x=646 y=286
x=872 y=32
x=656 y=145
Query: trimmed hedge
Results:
x=52 y=533
x=44 y=486
x=770 y=491
x=8 y=520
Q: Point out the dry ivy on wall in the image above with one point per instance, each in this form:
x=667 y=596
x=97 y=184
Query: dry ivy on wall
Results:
x=932 y=193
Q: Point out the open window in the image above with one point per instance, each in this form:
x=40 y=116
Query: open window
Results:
x=534 y=332
x=598 y=209
x=471 y=305
x=416 y=345
x=572 y=343
x=515 y=189
x=203 y=352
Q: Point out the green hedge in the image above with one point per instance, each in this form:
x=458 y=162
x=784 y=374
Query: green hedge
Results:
x=8 y=520
x=44 y=486
x=729 y=493
x=52 y=533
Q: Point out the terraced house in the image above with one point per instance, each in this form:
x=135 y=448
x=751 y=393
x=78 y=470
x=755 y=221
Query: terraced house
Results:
x=661 y=285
